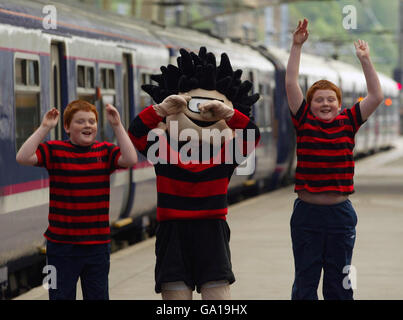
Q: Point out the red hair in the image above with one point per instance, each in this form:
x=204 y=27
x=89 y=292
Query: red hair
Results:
x=77 y=105
x=323 y=85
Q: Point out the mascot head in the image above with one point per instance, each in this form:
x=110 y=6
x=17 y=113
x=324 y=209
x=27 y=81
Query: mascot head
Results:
x=199 y=77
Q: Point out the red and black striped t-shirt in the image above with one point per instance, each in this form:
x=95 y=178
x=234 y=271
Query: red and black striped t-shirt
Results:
x=79 y=190
x=190 y=190
x=325 y=160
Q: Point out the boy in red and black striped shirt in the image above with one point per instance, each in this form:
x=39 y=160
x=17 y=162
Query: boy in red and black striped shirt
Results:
x=323 y=221
x=79 y=170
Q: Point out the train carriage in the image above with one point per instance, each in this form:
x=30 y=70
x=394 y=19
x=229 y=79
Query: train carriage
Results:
x=80 y=60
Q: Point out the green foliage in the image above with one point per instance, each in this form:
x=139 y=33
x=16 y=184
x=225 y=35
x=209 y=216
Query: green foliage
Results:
x=195 y=12
x=326 y=24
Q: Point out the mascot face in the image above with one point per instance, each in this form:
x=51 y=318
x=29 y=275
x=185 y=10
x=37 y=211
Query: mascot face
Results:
x=199 y=76
x=190 y=118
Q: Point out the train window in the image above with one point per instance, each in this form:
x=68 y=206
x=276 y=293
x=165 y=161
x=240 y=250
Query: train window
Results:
x=27 y=97
x=103 y=78
x=81 y=76
x=107 y=78
x=33 y=73
x=90 y=78
x=263 y=118
x=27 y=115
x=86 y=97
x=86 y=81
x=111 y=79
x=108 y=93
x=145 y=99
x=26 y=72
x=106 y=131
x=20 y=71
x=85 y=77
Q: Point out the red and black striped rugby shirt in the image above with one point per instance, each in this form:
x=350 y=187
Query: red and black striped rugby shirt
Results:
x=190 y=190
x=79 y=190
x=325 y=160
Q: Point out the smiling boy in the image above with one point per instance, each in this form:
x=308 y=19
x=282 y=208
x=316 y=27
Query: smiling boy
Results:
x=323 y=221
x=79 y=170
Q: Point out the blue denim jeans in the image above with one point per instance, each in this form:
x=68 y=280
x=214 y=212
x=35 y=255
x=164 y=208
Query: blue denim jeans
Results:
x=90 y=263
x=323 y=237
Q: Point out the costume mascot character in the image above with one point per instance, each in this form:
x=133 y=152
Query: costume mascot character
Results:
x=193 y=135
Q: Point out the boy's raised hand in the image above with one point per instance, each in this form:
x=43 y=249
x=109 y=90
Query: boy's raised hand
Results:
x=27 y=153
x=361 y=49
x=301 y=33
x=112 y=114
x=51 y=118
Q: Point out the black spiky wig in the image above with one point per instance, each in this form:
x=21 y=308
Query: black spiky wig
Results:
x=201 y=71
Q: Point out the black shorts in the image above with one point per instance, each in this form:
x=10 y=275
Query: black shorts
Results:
x=193 y=251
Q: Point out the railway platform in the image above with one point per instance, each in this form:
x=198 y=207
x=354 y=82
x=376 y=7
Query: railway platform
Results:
x=261 y=243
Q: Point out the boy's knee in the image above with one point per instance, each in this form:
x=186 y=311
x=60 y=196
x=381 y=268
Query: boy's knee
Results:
x=216 y=290
x=177 y=290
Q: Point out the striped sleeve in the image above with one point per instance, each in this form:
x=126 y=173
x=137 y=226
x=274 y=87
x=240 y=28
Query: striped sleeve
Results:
x=142 y=124
x=43 y=153
x=241 y=121
x=301 y=114
x=250 y=133
x=114 y=155
x=354 y=114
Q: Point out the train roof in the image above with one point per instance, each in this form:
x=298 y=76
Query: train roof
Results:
x=317 y=68
x=389 y=86
x=314 y=67
x=241 y=56
x=78 y=20
x=351 y=77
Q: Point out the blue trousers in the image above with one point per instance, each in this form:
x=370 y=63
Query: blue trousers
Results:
x=92 y=270
x=323 y=237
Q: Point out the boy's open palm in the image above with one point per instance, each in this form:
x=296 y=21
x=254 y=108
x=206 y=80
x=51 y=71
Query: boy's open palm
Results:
x=361 y=49
x=112 y=115
x=51 y=118
x=301 y=33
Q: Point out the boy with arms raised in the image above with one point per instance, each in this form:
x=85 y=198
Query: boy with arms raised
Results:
x=79 y=170
x=323 y=221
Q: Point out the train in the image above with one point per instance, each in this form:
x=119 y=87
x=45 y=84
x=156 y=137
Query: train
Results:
x=105 y=58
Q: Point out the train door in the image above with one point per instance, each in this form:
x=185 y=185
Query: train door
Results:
x=303 y=83
x=128 y=89
x=245 y=171
x=107 y=94
x=127 y=116
x=56 y=84
x=266 y=152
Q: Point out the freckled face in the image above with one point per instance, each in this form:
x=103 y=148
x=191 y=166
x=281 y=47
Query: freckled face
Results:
x=325 y=105
x=83 y=128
